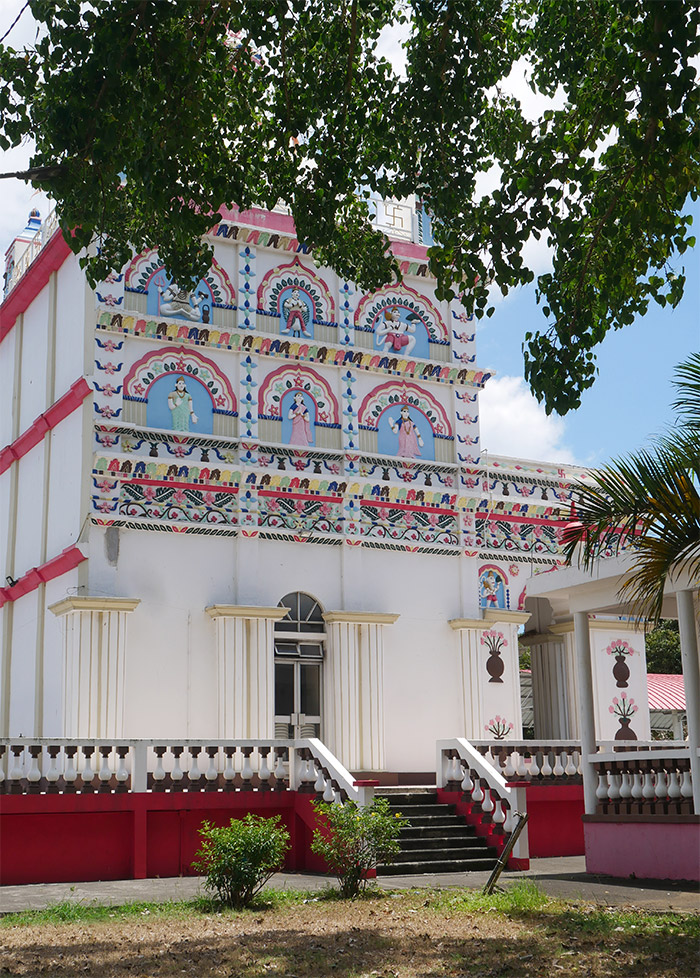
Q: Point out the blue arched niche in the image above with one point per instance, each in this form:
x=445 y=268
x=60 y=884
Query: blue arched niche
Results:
x=159 y=413
x=388 y=440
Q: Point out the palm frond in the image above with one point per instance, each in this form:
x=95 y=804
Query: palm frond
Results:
x=687 y=384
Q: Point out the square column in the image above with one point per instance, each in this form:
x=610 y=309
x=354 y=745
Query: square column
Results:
x=353 y=718
x=554 y=684
x=94 y=659
x=245 y=644
x=490 y=674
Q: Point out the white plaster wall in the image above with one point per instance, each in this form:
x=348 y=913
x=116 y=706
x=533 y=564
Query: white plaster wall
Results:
x=56 y=590
x=34 y=339
x=606 y=689
x=29 y=509
x=7 y=380
x=70 y=324
x=22 y=671
x=65 y=483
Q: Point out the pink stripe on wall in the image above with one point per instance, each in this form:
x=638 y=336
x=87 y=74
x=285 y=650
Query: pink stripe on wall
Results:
x=66 y=561
x=60 y=409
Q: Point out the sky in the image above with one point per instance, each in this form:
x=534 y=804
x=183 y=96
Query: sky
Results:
x=630 y=400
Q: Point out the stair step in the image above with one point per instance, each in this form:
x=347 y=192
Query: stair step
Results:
x=433 y=820
x=439 y=842
x=416 y=811
x=457 y=830
x=483 y=864
x=442 y=855
x=398 y=798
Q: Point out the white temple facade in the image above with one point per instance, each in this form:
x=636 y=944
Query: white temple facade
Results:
x=263 y=508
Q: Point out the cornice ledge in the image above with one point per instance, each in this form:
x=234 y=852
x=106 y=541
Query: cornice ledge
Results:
x=245 y=611
x=360 y=617
x=94 y=604
x=512 y=617
x=459 y=623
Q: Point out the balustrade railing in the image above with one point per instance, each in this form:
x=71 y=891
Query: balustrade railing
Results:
x=534 y=762
x=65 y=766
x=647 y=780
x=462 y=768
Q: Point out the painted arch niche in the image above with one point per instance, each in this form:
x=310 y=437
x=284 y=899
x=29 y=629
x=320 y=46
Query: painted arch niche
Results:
x=493 y=587
x=179 y=390
x=398 y=321
x=162 y=297
x=403 y=420
x=297 y=302
x=297 y=407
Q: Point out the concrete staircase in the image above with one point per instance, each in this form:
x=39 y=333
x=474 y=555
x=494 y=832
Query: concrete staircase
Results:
x=438 y=841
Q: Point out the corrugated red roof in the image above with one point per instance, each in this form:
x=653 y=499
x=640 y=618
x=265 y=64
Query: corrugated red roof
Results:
x=665 y=692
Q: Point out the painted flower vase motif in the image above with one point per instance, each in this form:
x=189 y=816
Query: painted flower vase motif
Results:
x=625 y=732
x=621 y=671
x=495 y=666
x=624 y=709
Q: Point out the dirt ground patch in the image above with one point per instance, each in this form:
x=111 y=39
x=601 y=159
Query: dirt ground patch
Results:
x=407 y=935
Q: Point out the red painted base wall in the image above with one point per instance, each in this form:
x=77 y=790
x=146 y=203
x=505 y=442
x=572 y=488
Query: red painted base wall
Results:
x=75 y=838
x=555 y=827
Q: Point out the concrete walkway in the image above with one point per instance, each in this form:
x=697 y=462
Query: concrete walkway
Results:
x=564 y=878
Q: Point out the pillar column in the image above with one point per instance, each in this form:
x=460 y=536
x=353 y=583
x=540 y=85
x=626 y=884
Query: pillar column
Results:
x=687 y=625
x=586 y=708
x=353 y=712
x=554 y=684
x=94 y=660
x=490 y=674
x=245 y=645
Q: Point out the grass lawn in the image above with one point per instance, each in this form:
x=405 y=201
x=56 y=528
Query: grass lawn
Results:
x=408 y=934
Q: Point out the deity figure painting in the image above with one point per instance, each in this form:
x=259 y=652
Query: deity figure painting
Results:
x=301 y=423
x=491 y=590
x=180 y=404
x=168 y=299
x=410 y=438
x=296 y=315
x=395 y=335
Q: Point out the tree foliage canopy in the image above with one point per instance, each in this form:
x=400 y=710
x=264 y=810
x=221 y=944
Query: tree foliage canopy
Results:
x=147 y=117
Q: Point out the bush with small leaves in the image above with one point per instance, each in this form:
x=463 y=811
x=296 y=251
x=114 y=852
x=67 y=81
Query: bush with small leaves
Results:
x=352 y=840
x=238 y=859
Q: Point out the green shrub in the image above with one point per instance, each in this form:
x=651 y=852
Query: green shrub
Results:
x=238 y=859
x=353 y=840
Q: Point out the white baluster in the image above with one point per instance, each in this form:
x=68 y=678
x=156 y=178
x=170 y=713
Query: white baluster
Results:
x=625 y=787
x=122 y=770
x=601 y=792
x=54 y=771
x=71 y=773
x=320 y=782
x=177 y=774
x=105 y=774
x=498 y=815
x=454 y=768
x=510 y=767
x=558 y=769
x=230 y=764
x=16 y=765
x=263 y=770
x=660 y=788
x=546 y=768
x=34 y=774
x=686 y=785
x=328 y=791
x=212 y=771
x=648 y=787
x=280 y=772
x=446 y=766
x=614 y=787
x=509 y=821
x=570 y=769
x=523 y=769
x=673 y=789
x=467 y=783
x=496 y=760
x=247 y=771
x=3 y=753
x=194 y=773
x=637 y=786
x=88 y=772
x=477 y=793
x=159 y=770
x=534 y=766
x=487 y=805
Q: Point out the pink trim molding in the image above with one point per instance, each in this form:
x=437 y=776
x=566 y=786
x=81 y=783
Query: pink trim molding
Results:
x=49 y=260
x=66 y=561
x=60 y=409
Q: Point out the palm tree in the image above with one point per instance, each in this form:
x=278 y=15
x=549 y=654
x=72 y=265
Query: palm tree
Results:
x=647 y=503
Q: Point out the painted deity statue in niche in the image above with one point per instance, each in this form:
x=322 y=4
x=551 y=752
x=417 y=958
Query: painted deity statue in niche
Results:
x=180 y=404
x=174 y=301
x=296 y=315
x=492 y=590
x=301 y=424
x=395 y=335
x=410 y=439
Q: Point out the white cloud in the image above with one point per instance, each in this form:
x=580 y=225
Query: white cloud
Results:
x=513 y=423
